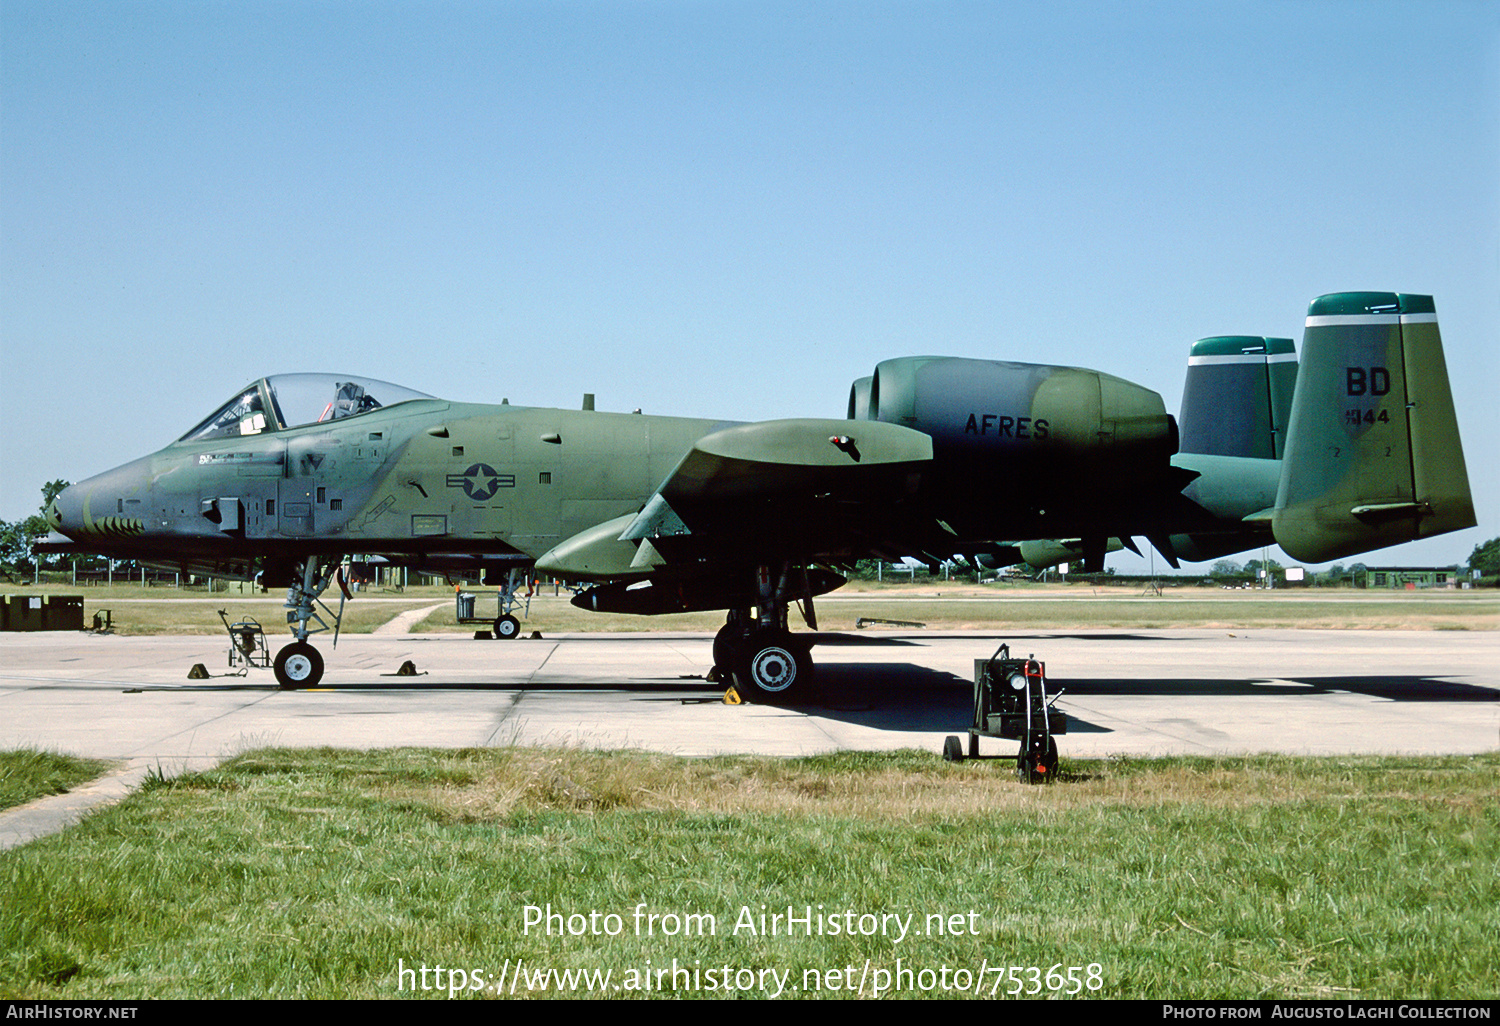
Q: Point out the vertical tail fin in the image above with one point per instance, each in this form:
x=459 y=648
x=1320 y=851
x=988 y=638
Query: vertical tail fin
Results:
x=1238 y=396
x=1373 y=456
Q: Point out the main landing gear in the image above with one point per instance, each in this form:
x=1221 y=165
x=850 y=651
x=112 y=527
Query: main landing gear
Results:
x=299 y=665
x=765 y=661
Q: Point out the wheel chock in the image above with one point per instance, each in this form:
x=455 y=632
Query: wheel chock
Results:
x=732 y=697
x=198 y=672
x=536 y=635
x=408 y=669
x=483 y=636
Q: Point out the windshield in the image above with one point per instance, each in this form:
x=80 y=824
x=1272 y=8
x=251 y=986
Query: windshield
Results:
x=291 y=400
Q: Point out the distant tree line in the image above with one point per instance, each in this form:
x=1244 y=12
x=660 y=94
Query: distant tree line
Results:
x=1486 y=558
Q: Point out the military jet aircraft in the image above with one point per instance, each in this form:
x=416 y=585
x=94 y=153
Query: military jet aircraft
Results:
x=1354 y=449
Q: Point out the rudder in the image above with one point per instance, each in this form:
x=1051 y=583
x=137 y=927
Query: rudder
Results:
x=1237 y=396
x=1373 y=455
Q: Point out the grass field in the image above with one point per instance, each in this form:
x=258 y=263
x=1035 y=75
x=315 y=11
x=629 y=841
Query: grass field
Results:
x=138 y=610
x=28 y=774
x=329 y=874
x=325 y=873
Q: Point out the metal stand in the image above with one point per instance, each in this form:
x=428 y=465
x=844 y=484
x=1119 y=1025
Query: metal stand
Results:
x=1011 y=702
x=247 y=644
x=504 y=624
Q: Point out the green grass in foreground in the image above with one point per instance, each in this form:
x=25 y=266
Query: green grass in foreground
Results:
x=311 y=873
x=26 y=774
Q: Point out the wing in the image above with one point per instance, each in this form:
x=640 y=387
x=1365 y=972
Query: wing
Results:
x=801 y=491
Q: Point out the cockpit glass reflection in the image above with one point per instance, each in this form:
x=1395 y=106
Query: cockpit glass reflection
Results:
x=242 y=415
x=298 y=399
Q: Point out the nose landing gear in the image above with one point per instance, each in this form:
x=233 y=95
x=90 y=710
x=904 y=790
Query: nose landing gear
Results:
x=299 y=665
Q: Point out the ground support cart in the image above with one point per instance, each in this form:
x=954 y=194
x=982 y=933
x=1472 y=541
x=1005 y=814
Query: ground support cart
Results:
x=247 y=644
x=504 y=624
x=1011 y=701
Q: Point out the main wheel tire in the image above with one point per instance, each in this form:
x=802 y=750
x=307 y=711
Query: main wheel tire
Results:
x=298 y=665
x=507 y=627
x=726 y=643
x=771 y=665
x=1037 y=767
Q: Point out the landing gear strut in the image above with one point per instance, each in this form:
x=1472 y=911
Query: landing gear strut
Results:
x=766 y=661
x=299 y=665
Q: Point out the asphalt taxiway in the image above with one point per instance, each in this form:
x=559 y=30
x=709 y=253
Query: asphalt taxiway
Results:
x=1136 y=693
x=1128 y=693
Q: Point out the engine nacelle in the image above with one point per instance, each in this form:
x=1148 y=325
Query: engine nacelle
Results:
x=1018 y=409
x=859 y=399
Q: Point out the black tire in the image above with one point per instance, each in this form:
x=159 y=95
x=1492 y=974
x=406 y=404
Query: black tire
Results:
x=953 y=749
x=730 y=637
x=1026 y=767
x=1034 y=767
x=1050 y=759
x=773 y=666
x=507 y=627
x=298 y=665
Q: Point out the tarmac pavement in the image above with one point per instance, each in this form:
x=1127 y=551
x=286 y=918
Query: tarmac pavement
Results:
x=1128 y=693
x=1136 y=693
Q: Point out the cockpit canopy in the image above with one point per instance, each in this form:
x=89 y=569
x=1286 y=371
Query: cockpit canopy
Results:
x=292 y=400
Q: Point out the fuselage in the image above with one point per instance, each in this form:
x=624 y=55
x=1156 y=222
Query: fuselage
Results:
x=423 y=476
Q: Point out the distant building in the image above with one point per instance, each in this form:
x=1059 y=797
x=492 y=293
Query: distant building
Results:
x=1408 y=577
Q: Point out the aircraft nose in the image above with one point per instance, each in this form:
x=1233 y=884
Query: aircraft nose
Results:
x=102 y=506
x=65 y=512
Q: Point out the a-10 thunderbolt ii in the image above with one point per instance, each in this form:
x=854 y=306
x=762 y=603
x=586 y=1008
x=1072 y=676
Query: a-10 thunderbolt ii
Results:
x=1354 y=449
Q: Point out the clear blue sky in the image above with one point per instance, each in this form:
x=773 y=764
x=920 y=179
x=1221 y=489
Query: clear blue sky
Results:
x=716 y=209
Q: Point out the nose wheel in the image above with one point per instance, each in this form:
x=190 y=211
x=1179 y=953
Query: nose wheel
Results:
x=298 y=665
